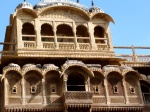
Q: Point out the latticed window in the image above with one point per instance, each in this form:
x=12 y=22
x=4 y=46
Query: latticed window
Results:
x=53 y=88
x=96 y=89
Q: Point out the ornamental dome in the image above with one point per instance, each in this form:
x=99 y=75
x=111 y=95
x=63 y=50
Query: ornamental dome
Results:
x=24 y=5
x=45 y=3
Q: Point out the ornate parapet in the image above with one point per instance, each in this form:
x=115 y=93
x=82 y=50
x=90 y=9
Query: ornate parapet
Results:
x=78 y=98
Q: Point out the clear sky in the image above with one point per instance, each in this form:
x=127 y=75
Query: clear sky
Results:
x=132 y=19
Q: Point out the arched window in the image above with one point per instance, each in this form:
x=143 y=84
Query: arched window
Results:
x=99 y=34
x=82 y=34
x=75 y=82
x=47 y=33
x=65 y=33
x=28 y=33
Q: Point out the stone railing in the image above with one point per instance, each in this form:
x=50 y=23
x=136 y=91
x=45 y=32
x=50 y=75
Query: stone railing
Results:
x=29 y=44
x=102 y=47
x=84 y=46
x=48 y=45
x=66 y=46
x=78 y=97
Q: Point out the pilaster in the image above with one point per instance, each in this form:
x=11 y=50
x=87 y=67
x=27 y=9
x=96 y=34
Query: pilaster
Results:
x=23 y=91
x=19 y=42
x=140 y=92
x=55 y=35
x=43 y=91
x=91 y=34
x=106 y=91
x=38 y=34
x=125 y=91
x=6 y=91
x=75 y=36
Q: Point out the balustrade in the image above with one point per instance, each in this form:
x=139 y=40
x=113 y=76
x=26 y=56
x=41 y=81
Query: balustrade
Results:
x=82 y=97
x=29 y=44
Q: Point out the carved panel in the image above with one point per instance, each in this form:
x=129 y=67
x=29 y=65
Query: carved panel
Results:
x=62 y=14
x=134 y=99
x=54 y=100
x=34 y=99
x=14 y=100
x=99 y=100
x=117 y=100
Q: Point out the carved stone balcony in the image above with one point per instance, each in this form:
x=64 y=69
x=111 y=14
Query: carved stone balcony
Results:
x=78 y=98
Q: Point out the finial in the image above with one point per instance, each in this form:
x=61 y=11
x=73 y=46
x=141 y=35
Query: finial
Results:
x=92 y=3
x=77 y=1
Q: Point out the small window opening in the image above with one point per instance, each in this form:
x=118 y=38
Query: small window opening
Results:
x=14 y=89
x=96 y=89
x=33 y=89
x=132 y=90
x=53 y=88
x=115 y=89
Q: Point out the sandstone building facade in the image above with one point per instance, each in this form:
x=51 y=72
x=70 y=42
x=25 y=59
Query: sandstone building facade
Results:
x=58 y=56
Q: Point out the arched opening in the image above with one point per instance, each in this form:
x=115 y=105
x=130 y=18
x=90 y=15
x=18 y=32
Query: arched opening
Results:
x=33 y=88
x=65 y=33
x=14 y=80
x=99 y=34
x=145 y=88
x=96 y=84
x=115 y=84
x=82 y=34
x=53 y=83
x=75 y=82
x=47 y=33
x=28 y=33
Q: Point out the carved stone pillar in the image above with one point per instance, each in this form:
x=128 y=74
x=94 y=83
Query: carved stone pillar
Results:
x=6 y=85
x=43 y=91
x=19 y=41
x=55 y=35
x=75 y=36
x=109 y=39
x=106 y=91
x=38 y=34
x=23 y=91
x=91 y=34
x=125 y=91
x=65 y=78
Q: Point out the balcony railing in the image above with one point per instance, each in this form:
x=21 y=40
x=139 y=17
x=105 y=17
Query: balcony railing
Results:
x=78 y=97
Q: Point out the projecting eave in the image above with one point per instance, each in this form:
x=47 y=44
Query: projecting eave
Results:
x=45 y=9
x=26 y=10
x=104 y=16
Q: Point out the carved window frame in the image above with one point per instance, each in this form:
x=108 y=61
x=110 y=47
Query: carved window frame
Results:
x=53 y=88
x=33 y=89
x=96 y=89
x=14 y=88
x=115 y=89
x=132 y=90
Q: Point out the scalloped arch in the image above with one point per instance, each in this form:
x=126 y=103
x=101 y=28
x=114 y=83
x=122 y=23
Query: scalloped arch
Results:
x=136 y=73
x=82 y=67
x=101 y=74
x=28 y=11
x=43 y=10
x=106 y=75
x=50 y=70
x=105 y=16
x=7 y=71
x=30 y=70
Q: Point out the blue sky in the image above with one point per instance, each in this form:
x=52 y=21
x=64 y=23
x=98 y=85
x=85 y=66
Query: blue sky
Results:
x=132 y=19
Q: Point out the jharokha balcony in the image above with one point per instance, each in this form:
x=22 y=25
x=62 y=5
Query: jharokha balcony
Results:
x=78 y=98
